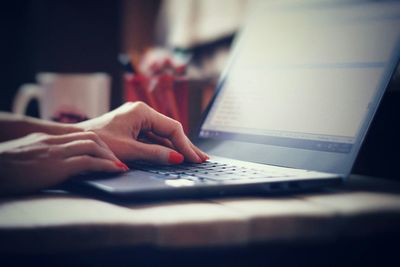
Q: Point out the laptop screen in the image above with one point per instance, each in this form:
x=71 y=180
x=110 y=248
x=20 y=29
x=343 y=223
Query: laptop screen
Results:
x=307 y=74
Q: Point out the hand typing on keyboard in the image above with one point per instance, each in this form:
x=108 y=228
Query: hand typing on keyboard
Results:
x=37 y=154
x=122 y=128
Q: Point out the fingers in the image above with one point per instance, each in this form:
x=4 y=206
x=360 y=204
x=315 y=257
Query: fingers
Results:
x=159 y=140
x=83 y=147
x=201 y=154
x=156 y=153
x=74 y=144
x=61 y=139
x=88 y=155
x=165 y=142
x=172 y=130
x=83 y=163
x=85 y=144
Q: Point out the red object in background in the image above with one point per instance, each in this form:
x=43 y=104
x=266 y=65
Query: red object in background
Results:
x=181 y=90
x=137 y=89
x=69 y=117
x=166 y=93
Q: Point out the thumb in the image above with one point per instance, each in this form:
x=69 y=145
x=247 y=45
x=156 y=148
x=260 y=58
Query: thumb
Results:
x=157 y=154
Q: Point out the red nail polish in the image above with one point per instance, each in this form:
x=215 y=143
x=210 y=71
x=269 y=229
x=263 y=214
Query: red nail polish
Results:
x=175 y=158
x=121 y=165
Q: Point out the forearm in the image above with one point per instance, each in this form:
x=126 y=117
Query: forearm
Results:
x=15 y=126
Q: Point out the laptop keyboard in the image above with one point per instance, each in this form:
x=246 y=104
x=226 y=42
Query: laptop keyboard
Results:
x=210 y=170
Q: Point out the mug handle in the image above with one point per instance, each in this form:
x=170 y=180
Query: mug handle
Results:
x=25 y=94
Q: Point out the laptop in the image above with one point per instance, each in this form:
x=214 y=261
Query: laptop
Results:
x=290 y=110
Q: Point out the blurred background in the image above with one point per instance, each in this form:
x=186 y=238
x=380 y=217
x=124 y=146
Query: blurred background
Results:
x=87 y=36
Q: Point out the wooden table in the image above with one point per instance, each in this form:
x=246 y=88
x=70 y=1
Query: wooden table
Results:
x=56 y=222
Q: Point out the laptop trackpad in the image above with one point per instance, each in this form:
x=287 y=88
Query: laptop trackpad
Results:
x=138 y=181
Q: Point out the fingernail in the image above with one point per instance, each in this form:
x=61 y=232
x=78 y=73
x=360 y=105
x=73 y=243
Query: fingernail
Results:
x=175 y=158
x=121 y=165
x=204 y=157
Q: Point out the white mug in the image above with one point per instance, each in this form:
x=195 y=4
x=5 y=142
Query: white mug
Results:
x=66 y=97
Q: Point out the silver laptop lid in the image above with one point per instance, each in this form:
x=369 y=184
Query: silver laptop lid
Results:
x=304 y=81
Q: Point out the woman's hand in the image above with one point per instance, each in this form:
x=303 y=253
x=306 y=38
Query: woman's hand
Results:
x=123 y=128
x=40 y=160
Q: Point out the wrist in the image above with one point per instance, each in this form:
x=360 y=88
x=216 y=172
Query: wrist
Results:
x=49 y=127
